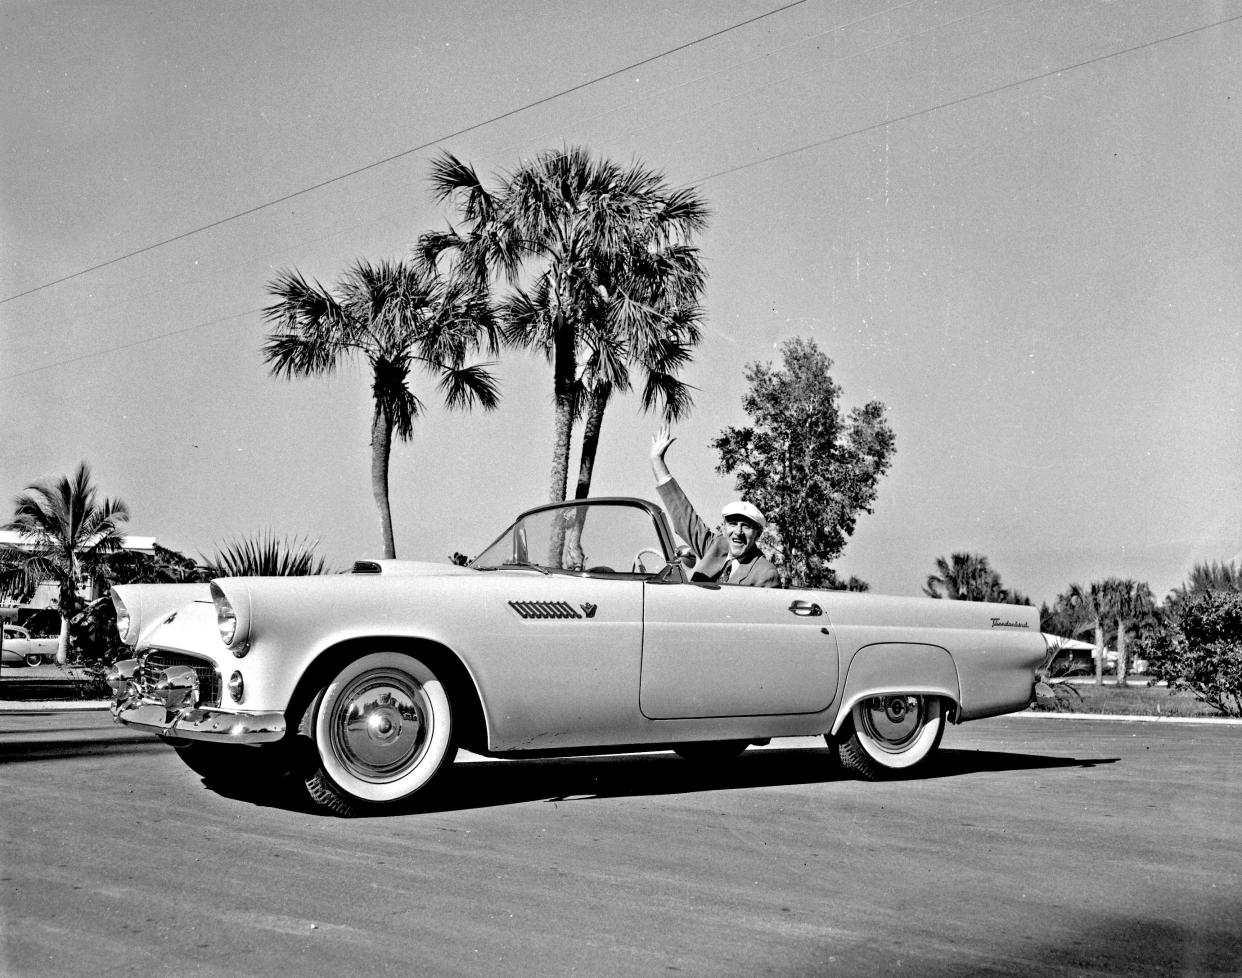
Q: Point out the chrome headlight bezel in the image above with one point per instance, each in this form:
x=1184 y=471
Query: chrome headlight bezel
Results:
x=126 y=623
x=232 y=617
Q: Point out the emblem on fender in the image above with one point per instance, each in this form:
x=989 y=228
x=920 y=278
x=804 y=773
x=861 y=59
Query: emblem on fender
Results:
x=588 y=609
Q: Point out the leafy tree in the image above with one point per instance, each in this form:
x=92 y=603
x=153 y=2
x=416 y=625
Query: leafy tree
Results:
x=161 y=566
x=266 y=555
x=70 y=531
x=596 y=255
x=811 y=469
x=970 y=577
x=1202 y=652
x=397 y=316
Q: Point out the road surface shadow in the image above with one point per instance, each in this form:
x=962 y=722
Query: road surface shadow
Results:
x=493 y=783
x=21 y=749
x=1138 y=944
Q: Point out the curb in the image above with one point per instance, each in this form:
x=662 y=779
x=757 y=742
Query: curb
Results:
x=1128 y=718
x=50 y=706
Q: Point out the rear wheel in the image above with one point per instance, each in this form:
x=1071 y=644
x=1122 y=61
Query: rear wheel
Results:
x=381 y=730
x=34 y=659
x=711 y=751
x=890 y=734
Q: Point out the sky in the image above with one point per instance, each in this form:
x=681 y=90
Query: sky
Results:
x=1016 y=224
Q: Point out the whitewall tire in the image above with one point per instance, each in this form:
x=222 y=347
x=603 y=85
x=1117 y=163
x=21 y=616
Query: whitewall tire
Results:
x=382 y=731
x=890 y=734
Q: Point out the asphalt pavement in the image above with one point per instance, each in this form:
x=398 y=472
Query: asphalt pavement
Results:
x=1058 y=847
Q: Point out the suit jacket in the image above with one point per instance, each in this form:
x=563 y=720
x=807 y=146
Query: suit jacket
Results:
x=712 y=548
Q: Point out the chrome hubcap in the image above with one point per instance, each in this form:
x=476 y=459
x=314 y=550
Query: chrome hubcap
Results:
x=892 y=722
x=379 y=727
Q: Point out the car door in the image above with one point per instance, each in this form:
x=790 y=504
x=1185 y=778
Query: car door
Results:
x=723 y=651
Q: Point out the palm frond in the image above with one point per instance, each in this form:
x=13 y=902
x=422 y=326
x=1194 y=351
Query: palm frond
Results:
x=266 y=555
x=470 y=384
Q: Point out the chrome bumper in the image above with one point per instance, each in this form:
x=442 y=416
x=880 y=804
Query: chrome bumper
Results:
x=166 y=707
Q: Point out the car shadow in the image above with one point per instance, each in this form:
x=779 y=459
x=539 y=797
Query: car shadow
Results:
x=493 y=783
x=952 y=763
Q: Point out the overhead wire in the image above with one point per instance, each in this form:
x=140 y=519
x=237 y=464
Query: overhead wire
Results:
x=407 y=152
x=892 y=120
x=250 y=260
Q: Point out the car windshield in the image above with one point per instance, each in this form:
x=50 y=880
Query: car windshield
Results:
x=591 y=537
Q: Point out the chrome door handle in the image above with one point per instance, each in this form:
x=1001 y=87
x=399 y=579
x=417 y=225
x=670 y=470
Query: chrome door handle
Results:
x=807 y=609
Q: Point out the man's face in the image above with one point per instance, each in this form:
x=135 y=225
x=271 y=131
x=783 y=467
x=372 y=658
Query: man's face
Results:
x=741 y=533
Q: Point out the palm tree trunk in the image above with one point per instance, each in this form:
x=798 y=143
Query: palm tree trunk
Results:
x=563 y=394
x=1122 y=665
x=68 y=602
x=381 y=449
x=1099 y=652
x=62 y=649
x=590 y=441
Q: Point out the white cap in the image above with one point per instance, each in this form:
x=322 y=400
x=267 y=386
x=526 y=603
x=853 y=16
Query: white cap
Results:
x=739 y=507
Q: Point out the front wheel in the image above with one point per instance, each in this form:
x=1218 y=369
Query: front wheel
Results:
x=382 y=730
x=890 y=734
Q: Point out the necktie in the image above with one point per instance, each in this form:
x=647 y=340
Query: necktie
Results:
x=724 y=574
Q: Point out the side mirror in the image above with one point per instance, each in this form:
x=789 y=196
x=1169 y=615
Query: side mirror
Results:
x=687 y=556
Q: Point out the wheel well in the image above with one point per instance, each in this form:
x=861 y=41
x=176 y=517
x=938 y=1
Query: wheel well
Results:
x=948 y=703
x=470 y=728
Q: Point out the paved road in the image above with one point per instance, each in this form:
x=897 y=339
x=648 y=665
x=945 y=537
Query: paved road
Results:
x=1033 y=847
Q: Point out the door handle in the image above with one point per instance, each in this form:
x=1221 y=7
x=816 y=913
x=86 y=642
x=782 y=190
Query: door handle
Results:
x=807 y=609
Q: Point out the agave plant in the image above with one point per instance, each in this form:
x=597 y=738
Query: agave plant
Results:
x=266 y=555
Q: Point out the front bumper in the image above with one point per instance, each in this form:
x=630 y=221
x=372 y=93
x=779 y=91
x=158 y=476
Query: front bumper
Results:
x=166 y=705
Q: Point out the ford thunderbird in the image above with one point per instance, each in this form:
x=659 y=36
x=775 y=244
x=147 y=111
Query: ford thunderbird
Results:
x=577 y=631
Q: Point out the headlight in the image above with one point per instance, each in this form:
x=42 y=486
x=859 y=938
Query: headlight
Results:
x=232 y=625
x=123 y=622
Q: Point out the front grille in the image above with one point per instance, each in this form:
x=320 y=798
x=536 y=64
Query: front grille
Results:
x=157 y=660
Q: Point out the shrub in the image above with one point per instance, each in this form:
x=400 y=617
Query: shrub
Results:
x=1200 y=650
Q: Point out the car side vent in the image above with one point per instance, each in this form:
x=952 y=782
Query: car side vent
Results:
x=544 y=609
x=366 y=567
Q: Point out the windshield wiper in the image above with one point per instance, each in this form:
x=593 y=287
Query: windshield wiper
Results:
x=542 y=570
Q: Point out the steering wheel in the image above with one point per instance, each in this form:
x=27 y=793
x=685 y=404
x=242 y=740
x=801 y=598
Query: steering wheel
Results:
x=637 y=567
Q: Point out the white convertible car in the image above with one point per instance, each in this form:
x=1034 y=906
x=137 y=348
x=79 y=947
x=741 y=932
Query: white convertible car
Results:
x=576 y=632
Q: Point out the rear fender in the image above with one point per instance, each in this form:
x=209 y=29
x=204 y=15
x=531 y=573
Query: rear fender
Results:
x=898 y=667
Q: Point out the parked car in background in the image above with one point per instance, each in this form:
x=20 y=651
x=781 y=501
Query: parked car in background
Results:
x=21 y=649
x=577 y=631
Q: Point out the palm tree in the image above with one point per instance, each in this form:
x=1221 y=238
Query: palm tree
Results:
x=395 y=315
x=584 y=245
x=1088 y=607
x=1204 y=577
x=1131 y=603
x=68 y=532
x=964 y=577
x=605 y=370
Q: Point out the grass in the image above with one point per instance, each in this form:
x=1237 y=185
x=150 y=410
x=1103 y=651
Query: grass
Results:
x=1138 y=699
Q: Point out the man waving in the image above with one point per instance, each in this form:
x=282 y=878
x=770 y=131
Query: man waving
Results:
x=731 y=556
